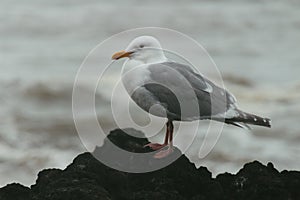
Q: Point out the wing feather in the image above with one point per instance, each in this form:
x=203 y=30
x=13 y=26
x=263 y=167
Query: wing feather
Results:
x=170 y=76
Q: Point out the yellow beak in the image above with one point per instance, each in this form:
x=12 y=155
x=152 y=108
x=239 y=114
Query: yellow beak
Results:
x=121 y=54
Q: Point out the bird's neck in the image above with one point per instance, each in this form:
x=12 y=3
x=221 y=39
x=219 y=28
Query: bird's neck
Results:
x=158 y=59
x=132 y=64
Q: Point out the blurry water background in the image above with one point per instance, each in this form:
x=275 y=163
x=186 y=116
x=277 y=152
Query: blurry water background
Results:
x=42 y=44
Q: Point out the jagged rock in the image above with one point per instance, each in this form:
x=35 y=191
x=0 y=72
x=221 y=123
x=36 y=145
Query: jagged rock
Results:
x=257 y=181
x=14 y=191
x=87 y=178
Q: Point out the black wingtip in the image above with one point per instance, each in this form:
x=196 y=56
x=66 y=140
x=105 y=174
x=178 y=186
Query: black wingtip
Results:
x=248 y=118
x=268 y=122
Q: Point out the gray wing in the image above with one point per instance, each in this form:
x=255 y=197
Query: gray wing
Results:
x=173 y=82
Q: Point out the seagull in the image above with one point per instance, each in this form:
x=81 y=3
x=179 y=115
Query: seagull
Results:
x=158 y=85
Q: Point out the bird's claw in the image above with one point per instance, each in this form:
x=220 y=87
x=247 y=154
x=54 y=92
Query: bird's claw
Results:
x=164 y=153
x=155 y=146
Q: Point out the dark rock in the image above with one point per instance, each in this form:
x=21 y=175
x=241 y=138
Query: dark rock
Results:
x=87 y=178
x=291 y=181
x=14 y=191
x=255 y=181
x=54 y=184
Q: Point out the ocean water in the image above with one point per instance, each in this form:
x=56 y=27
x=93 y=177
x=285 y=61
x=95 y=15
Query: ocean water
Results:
x=255 y=45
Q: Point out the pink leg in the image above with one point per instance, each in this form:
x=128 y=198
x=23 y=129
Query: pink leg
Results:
x=164 y=153
x=157 y=146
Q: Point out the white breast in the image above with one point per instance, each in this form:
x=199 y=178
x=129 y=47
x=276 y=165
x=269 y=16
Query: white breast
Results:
x=134 y=75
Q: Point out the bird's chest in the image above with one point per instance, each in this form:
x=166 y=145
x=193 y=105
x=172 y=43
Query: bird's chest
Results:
x=134 y=77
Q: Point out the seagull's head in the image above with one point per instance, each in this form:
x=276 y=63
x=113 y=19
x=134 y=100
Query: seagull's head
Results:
x=145 y=49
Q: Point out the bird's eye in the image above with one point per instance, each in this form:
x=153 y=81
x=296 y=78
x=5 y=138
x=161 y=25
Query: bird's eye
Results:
x=141 y=46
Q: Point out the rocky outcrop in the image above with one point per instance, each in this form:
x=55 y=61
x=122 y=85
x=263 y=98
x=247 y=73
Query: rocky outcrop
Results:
x=87 y=178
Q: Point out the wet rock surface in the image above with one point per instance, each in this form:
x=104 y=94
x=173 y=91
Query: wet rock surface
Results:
x=87 y=178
